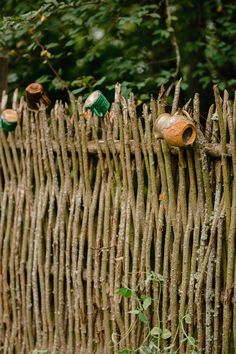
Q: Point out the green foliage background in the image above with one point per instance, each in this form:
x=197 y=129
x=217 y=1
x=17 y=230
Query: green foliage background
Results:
x=84 y=45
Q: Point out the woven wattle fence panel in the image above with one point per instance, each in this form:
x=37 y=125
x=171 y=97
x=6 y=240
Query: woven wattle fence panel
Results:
x=110 y=240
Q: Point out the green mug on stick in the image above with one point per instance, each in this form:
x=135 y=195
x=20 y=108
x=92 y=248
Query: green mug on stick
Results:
x=8 y=120
x=98 y=103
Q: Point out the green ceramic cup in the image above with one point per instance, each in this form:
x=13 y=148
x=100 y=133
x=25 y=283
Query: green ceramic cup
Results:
x=98 y=103
x=8 y=120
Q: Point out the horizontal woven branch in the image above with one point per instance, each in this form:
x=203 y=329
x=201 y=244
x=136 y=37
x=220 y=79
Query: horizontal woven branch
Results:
x=211 y=149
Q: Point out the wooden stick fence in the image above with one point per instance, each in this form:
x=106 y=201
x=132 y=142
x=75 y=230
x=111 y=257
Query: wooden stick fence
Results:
x=111 y=240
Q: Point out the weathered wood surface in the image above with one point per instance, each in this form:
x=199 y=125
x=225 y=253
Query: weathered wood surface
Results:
x=81 y=219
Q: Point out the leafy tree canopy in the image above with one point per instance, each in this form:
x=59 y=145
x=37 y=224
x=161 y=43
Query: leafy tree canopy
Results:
x=83 y=45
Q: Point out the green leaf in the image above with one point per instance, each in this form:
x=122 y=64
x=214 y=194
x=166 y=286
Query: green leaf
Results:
x=149 y=276
x=144 y=97
x=188 y=319
x=135 y=312
x=143 y=317
x=42 y=79
x=191 y=340
x=156 y=331
x=124 y=292
x=51 y=45
x=160 y=277
x=99 y=82
x=57 y=84
x=12 y=77
x=79 y=90
x=147 y=302
x=166 y=333
x=124 y=351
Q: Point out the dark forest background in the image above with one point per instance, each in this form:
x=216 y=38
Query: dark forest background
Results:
x=86 y=45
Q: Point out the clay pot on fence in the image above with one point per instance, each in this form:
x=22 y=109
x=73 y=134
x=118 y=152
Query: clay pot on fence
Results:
x=97 y=103
x=176 y=130
x=35 y=95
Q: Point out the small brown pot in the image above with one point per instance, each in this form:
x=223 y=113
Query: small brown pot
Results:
x=176 y=130
x=35 y=95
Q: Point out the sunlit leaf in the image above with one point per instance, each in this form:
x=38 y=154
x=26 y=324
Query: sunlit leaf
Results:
x=156 y=331
x=166 y=333
x=147 y=302
x=191 y=340
x=135 y=312
x=142 y=317
x=124 y=351
x=188 y=319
